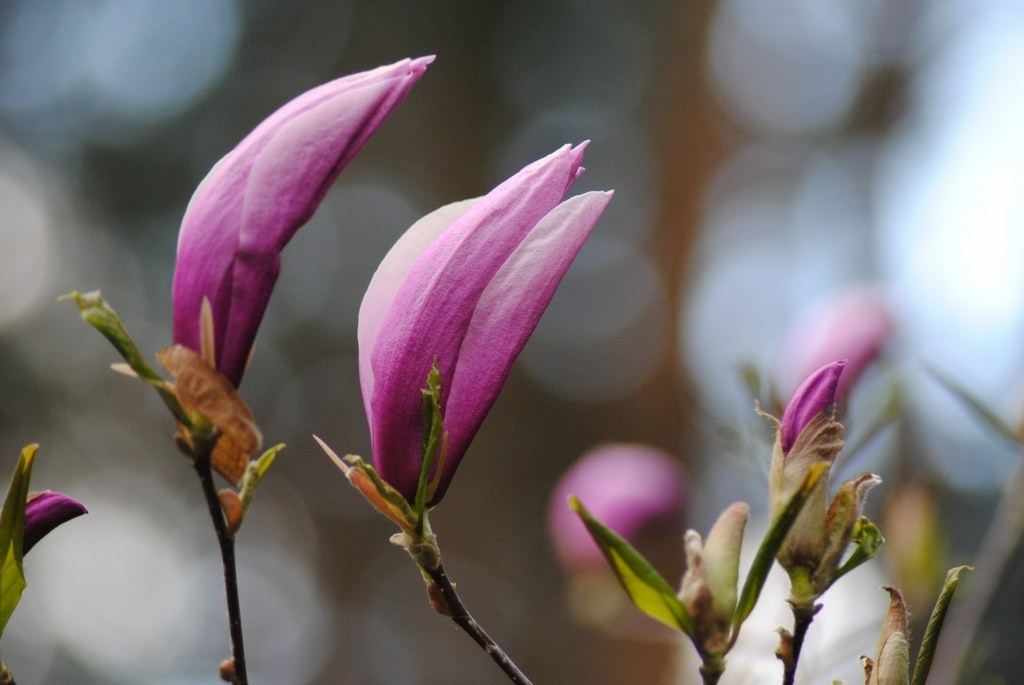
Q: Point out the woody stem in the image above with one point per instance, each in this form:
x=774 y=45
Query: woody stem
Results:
x=451 y=605
x=227 y=554
x=802 y=618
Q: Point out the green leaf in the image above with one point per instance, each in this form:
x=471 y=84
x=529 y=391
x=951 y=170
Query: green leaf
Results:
x=434 y=440
x=97 y=313
x=770 y=546
x=977 y=407
x=868 y=540
x=254 y=473
x=12 y=531
x=644 y=586
x=931 y=633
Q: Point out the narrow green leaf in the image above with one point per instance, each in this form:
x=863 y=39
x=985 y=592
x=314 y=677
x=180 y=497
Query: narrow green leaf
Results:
x=868 y=540
x=644 y=586
x=931 y=633
x=12 y=531
x=433 y=439
x=977 y=407
x=770 y=546
x=254 y=473
x=97 y=313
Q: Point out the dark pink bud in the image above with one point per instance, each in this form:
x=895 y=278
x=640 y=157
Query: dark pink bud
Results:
x=816 y=394
x=44 y=511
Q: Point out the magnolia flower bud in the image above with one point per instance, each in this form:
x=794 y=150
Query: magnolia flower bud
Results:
x=891 y=665
x=807 y=435
x=462 y=291
x=631 y=488
x=254 y=200
x=44 y=511
x=712 y=574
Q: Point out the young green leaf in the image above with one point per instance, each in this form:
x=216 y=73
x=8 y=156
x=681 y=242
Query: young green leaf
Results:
x=254 y=473
x=645 y=587
x=931 y=633
x=433 y=439
x=12 y=529
x=97 y=313
x=868 y=540
x=770 y=546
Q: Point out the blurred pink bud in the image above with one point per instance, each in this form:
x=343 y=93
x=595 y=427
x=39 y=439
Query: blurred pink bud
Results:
x=254 y=200
x=628 y=487
x=464 y=288
x=816 y=394
x=44 y=511
x=851 y=324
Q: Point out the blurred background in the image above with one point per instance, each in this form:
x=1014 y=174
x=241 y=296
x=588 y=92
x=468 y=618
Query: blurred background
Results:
x=765 y=154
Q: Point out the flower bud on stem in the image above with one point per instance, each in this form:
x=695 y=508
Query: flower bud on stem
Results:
x=416 y=536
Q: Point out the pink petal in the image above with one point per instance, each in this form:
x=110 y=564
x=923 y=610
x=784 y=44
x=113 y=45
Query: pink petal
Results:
x=256 y=197
x=387 y=279
x=433 y=306
x=816 y=394
x=506 y=315
x=44 y=511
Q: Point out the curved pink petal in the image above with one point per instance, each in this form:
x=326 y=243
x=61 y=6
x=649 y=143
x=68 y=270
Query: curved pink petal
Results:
x=256 y=197
x=432 y=308
x=506 y=315
x=387 y=279
x=816 y=394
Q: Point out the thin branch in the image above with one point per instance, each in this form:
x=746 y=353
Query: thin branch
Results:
x=227 y=554
x=451 y=605
x=802 y=619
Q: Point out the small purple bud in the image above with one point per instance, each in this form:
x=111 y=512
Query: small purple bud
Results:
x=44 y=511
x=816 y=394
x=629 y=487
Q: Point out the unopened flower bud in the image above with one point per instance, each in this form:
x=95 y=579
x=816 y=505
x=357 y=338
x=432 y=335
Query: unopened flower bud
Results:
x=891 y=665
x=44 y=511
x=232 y=508
x=807 y=435
x=227 y=671
x=631 y=488
x=842 y=517
x=712 y=573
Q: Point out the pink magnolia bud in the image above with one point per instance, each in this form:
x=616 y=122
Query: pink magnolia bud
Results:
x=628 y=487
x=816 y=394
x=254 y=200
x=808 y=435
x=463 y=289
